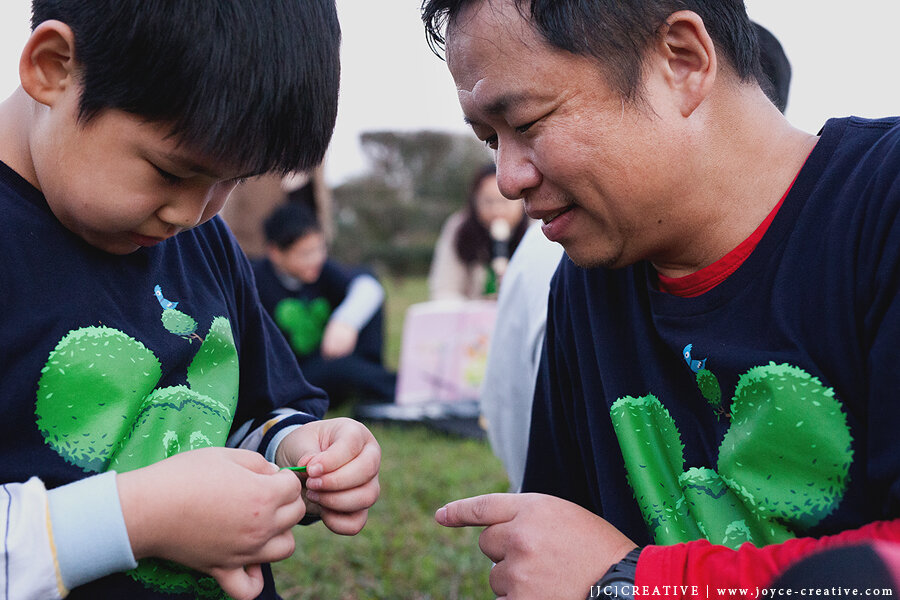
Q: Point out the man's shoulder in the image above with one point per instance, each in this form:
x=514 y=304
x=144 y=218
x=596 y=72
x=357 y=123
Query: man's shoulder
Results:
x=856 y=137
x=855 y=158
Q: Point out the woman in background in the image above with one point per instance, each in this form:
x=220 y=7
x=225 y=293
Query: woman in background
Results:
x=475 y=243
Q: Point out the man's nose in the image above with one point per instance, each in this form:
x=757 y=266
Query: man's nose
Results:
x=516 y=172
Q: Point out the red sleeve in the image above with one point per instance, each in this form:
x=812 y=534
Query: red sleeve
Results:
x=701 y=569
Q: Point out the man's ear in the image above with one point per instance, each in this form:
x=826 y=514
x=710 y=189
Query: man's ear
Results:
x=47 y=66
x=689 y=59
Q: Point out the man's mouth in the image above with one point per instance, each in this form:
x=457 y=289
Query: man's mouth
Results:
x=550 y=217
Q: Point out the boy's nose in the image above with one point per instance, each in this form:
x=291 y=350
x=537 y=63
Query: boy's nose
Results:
x=191 y=206
x=185 y=209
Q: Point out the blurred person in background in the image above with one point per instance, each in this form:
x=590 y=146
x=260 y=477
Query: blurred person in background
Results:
x=331 y=315
x=475 y=244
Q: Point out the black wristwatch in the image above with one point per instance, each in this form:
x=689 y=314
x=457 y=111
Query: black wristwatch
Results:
x=618 y=582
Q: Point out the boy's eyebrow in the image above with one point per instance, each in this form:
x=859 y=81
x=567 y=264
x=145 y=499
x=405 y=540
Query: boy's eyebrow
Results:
x=193 y=166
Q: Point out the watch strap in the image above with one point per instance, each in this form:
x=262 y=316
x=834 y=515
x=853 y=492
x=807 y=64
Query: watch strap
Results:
x=618 y=581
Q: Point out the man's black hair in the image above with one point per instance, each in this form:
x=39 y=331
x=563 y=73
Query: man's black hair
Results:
x=252 y=84
x=290 y=222
x=617 y=32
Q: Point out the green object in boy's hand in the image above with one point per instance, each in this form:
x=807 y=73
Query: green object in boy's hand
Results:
x=295 y=469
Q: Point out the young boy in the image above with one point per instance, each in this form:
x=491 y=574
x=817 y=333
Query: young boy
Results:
x=130 y=355
x=330 y=315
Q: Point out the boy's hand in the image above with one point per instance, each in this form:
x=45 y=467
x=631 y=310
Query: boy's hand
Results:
x=342 y=459
x=542 y=546
x=221 y=511
x=338 y=340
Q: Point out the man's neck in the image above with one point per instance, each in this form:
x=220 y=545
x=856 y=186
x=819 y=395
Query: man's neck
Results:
x=746 y=165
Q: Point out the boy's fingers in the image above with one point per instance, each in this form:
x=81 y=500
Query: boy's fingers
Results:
x=484 y=511
x=241 y=583
x=344 y=445
x=291 y=512
x=254 y=461
x=347 y=501
x=345 y=523
x=326 y=470
x=278 y=548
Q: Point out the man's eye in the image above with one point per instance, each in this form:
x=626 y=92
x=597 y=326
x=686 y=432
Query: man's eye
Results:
x=491 y=142
x=525 y=127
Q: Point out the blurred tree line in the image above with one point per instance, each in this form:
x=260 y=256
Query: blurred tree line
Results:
x=390 y=217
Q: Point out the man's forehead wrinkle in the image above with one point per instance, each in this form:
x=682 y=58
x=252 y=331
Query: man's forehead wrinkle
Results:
x=465 y=39
x=482 y=100
x=488 y=16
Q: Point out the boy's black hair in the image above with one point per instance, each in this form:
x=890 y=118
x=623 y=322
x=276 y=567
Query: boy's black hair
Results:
x=290 y=222
x=251 y=84
x=775 y=66
x=617 y=32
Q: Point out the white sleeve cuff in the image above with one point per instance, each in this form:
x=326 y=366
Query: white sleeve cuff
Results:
x=89 y=530
x=364 y=297
x=272 y=448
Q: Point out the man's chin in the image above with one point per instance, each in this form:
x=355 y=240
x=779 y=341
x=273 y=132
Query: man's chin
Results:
x=595 y=260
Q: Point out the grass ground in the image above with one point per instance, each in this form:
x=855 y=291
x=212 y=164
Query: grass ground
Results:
x=402 y=554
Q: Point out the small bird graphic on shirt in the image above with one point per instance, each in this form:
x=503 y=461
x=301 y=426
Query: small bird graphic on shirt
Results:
x=166 y=304
x=695 y=365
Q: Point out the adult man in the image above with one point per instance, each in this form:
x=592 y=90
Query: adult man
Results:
x=721 y=338
x=518 y=335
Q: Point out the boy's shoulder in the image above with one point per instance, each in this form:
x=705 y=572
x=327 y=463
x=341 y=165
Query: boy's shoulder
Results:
x=340 y=274
x=19 y=196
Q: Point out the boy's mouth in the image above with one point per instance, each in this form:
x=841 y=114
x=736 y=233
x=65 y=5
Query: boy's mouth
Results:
x=143 y=240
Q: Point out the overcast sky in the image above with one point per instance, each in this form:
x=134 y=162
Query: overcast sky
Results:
x=844 y=58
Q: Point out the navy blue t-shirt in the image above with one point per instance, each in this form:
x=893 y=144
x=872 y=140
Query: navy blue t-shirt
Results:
x=762 y=409
x=303 y=313
x=111 y=362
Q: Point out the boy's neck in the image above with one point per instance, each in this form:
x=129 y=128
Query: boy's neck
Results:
x=290 y=282
x=16 y=118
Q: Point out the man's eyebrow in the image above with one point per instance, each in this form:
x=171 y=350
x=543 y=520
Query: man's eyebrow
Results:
x=499 y=105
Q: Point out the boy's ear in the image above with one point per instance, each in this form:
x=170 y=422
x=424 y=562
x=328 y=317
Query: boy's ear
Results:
x=689 y=59
x=274 y=253
x=47 y=66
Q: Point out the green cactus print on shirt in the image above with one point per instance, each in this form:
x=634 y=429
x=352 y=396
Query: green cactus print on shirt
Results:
x=99 y=407
x=303 y=323
x=179 y=323
x=782 y=465
x=709 y=387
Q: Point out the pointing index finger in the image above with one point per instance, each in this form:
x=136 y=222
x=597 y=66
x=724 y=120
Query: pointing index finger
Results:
x=486 y=510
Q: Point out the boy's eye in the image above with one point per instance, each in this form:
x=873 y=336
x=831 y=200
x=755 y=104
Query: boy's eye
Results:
x=167 y=177
x=491 y=142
